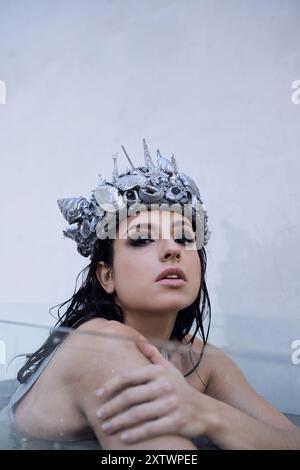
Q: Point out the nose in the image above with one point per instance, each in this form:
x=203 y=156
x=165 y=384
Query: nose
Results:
x=171 y=251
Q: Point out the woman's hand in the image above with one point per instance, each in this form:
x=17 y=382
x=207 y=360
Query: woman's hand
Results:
x=151 y=401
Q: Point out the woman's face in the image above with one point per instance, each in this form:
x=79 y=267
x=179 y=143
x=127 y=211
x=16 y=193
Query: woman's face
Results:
x=138 y=263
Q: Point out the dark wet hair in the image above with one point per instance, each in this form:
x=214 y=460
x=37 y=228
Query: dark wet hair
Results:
x=92 y=301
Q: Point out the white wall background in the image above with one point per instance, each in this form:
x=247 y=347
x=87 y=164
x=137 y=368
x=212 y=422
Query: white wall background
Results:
x=208 y=80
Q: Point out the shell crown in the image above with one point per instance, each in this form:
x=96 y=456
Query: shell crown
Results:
x=153 y=183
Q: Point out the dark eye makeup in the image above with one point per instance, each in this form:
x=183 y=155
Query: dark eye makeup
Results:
x=142 y=241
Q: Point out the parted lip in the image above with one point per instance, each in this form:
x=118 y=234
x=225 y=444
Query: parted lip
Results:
x=173 y=270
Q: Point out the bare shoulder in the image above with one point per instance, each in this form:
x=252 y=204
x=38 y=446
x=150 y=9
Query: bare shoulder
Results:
x=107 y=326
x=211 y=353
x=202 y=375
x=218 y=365
x=98 y=348
x=92 y=331
x=210 y=349
x=222 y=376
x=228 y=384
x=90 y=342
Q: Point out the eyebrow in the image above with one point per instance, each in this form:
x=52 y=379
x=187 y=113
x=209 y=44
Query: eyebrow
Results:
x=148 y=225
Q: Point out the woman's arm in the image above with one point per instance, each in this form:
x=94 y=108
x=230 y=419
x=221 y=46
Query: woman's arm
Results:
x=244 y=419
x=237 y=431
x=97 y=360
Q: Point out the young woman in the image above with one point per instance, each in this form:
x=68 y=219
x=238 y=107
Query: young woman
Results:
x=146 y=282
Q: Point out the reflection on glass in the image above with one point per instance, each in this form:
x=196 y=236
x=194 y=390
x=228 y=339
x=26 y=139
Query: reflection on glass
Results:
x=40 y=413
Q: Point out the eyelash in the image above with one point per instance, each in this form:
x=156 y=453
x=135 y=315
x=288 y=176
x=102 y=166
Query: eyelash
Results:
x=141 y=241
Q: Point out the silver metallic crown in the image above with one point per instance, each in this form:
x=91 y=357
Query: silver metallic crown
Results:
x=154 y=183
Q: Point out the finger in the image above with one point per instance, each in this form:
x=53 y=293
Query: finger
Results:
x=133 y=396
x=152 y=353
x=140 y=414
x=131 y=377
x=164 y=425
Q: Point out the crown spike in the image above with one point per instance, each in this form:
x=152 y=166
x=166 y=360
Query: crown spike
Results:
x=128 y=158
x=100 y=179
x=148 y=160
x=115 y=171
x=159 y=159
x=174 y=163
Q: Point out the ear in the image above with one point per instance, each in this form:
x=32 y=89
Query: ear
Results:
x=105 y=278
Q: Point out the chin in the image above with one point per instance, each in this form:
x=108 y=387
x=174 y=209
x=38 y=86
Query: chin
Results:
x=172 y=304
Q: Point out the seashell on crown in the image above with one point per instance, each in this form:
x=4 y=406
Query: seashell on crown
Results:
x=155 y=183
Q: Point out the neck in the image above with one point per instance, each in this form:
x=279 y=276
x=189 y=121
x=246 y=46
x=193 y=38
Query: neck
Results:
x=151 y=326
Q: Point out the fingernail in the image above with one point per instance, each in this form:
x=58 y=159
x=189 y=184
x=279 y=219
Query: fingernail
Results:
x=99 y=392
x=100 y=413
x=106 y=426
